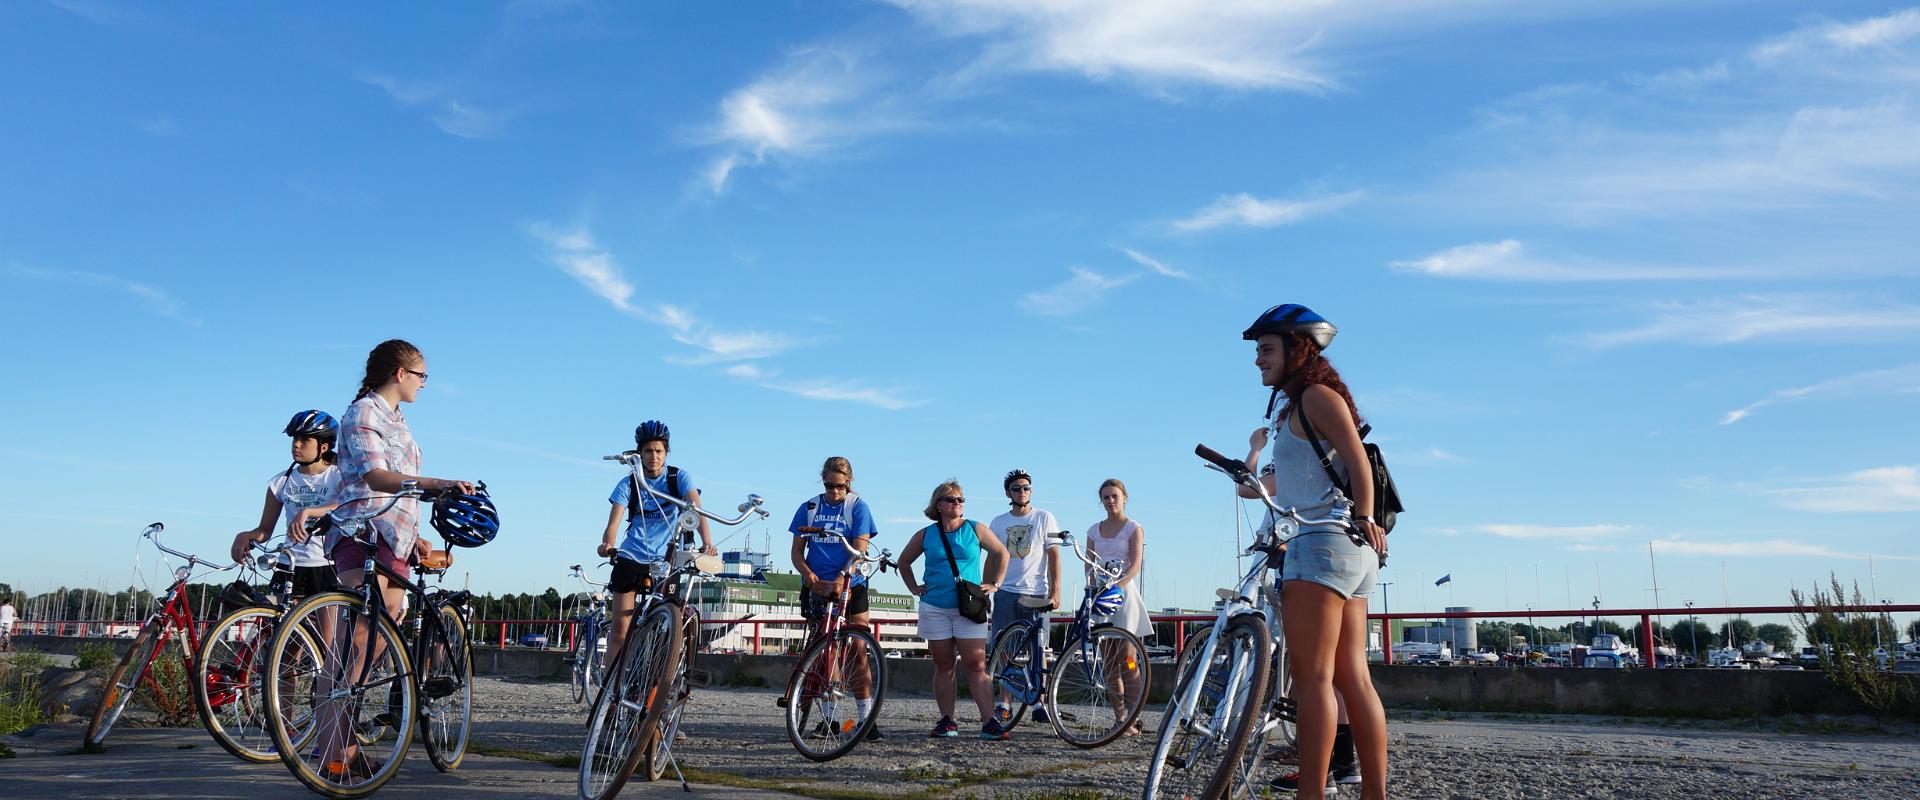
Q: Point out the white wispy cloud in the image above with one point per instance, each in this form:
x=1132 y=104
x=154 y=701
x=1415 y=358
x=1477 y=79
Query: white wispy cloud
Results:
x=1897 y=380
x=1509 y=260
x=153 y=298
x=1572 y=532
x=1763 y=548
x=1083 y=290
x=574 y=251
x=453 y=115
x=1245 y=210
x=1873 y=33
x=891 y=399
x=1154 y=264
x=819 y=99
x=1882 y=489
x=1758 y=317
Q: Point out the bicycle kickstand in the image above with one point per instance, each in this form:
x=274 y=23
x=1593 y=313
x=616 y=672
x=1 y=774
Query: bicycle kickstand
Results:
x=673 y=760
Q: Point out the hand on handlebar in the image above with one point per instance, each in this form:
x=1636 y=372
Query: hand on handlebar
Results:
x=244 y=541
x=606 y=550
x=305 y=524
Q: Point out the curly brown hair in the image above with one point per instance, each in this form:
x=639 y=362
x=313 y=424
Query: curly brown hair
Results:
x=1306 y=366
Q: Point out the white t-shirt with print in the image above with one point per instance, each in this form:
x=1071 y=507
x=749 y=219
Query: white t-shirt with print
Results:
x=296 y=491
x=1026 y=541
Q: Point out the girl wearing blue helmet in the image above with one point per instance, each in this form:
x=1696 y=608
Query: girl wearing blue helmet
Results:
x=310 y=482
x=1328 y=574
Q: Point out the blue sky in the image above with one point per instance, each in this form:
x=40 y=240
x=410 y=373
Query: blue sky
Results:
x=1605 y=277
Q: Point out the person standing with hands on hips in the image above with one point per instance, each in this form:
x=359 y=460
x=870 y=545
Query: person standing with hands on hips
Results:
x=1329 y=569
x=957 y=549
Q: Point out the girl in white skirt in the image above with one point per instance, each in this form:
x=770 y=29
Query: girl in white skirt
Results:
x=1118 y=543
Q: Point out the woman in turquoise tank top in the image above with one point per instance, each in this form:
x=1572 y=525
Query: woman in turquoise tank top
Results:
x=975 y=553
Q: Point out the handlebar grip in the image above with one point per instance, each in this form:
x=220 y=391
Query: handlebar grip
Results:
x=1235 y=468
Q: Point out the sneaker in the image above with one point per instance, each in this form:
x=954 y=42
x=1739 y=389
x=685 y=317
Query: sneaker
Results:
x=873 y=733
x=1002 y=713
x=945 y=728
x=1040 y=715
x=1348 y=774
x=1290 y=782
x=993 y=732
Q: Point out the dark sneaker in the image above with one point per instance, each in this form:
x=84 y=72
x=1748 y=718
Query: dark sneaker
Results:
x=1040 y=715
x=993 y=732
x=945 y=728
x=1290 y=782
x=873 y=733
x=1348 y=774
x=1002 y=713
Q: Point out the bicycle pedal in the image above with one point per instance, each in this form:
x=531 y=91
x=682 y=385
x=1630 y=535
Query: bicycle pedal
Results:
x=780 y=701
x=1286 y=709
x=439 y=686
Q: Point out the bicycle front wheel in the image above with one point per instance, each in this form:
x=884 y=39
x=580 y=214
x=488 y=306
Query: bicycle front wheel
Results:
x=359 y=683
x=446 y=692
x=126 y=678
x=1009 y=664
x=1099 y=686
x=585 y=652
x=823 y=700
x=629 y=704
x=1199 y=744
x=659 y=747
x=229 y=684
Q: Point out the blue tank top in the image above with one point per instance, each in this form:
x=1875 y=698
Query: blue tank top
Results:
x=938 y=576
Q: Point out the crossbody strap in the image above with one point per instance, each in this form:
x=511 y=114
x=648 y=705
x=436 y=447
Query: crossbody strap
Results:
x=947 y=545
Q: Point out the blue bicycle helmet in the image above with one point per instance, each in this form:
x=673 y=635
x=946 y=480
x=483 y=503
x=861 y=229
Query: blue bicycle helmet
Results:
x=1292 y=318
x=1109 y=600
x=313 y=423
x=650 y=431
x=466 y=520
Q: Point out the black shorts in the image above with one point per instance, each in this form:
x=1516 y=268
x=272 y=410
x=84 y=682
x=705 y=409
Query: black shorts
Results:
x=812 y=606
x=630 y=576
x=309 y=581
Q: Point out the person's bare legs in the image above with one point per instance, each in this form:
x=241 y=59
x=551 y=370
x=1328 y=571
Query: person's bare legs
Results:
x=1313 y=615
x=973 y=659
x=621 y=618
x=1354 y=683
x=942 y=652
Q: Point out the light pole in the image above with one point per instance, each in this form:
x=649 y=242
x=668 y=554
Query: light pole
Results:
x=1693 y=634
x=1386 y=630
x=1533 y=633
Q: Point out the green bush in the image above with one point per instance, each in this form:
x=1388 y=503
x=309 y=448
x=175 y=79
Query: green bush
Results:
x=95 y=655
x=20 y=691
x=1847 y=657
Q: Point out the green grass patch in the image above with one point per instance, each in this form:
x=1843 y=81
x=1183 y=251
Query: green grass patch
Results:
x=20 y=691
x=561 y=760
x=95 y=656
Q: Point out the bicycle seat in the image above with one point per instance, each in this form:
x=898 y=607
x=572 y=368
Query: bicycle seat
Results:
x=709 y=565
x=1036 y=602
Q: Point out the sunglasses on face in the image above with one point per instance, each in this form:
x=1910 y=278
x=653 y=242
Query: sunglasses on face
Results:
x=840 y=486
x=1019 y=488
x=954 y=500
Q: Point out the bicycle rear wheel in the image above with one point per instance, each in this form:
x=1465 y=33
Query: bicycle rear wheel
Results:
x=125 y=679
x=659 y=747
x=446 y=692
x=360 y=681
x=1199 y=747
x=629 y=704
x=1098 y=687
x=1009 y=665
x=823 y=703
x=229 y=684
x=586 y=654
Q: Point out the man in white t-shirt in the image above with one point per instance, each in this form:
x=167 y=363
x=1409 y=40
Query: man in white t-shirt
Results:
x=6 y=621
x=1033 y=563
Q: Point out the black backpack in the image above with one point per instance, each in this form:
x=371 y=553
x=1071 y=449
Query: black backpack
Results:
x=634 y=491
x=1386 y=498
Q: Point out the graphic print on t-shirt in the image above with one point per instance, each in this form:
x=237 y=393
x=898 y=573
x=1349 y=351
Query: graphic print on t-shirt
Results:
x=1020 y=540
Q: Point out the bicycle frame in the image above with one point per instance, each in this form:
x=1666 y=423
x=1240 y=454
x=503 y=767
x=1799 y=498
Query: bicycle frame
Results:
x=1079 y=630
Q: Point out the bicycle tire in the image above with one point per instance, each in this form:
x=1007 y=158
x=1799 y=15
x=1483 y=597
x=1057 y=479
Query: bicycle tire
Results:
x=819 y=674
x=123 y=682
x=338 y=715
x=1009 y=665
x=1185 y=764
x=229 y=683
x=1087 y=670
x=585 y=652
x=628 y=705
x=447 y=721
x=659 y=747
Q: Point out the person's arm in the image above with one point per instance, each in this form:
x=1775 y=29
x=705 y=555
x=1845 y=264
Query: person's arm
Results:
x=367 y=445
x=1053 y=574
x=1135 y=555
x=908 y=555
x=996 y=568
x=1256 y=443
x=260 y=533
x=1327 y=410
x=706 y=537
x=609 y=542
x=297 y=528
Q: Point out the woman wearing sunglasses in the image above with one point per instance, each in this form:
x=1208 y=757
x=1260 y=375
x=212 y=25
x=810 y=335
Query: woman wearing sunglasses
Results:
x=823 y=566
x=957 y=549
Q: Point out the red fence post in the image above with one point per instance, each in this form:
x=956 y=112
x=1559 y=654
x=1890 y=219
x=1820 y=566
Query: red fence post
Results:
x=1646 y=639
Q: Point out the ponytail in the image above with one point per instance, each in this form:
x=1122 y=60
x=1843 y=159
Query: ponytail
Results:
x=385 y=359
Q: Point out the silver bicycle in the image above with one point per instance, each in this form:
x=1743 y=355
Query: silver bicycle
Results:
x=1223 y=709
x=588 y=658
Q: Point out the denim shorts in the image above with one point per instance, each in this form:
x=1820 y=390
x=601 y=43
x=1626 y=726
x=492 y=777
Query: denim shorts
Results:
x=1332 y=560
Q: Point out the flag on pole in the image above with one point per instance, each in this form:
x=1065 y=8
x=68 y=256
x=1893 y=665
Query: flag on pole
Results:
x=1444 y=579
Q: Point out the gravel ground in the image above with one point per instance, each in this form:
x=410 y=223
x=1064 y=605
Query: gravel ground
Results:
x=735 y=735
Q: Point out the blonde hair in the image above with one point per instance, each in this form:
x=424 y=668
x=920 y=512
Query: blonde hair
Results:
x=946 y=487
x=837 y=465
x=1115 y=483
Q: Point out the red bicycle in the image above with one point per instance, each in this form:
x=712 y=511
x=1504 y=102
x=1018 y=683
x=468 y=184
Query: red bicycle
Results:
x=173 y=621
x=840 y=667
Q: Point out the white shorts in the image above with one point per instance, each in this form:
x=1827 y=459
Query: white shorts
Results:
x=938 y=623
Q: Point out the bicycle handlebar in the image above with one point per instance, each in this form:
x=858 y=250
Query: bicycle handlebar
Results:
x=1241 y=475
x=812 y=534
x=152 y=534
x=747 y=509
x=409 y=490
x=1085 y=555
